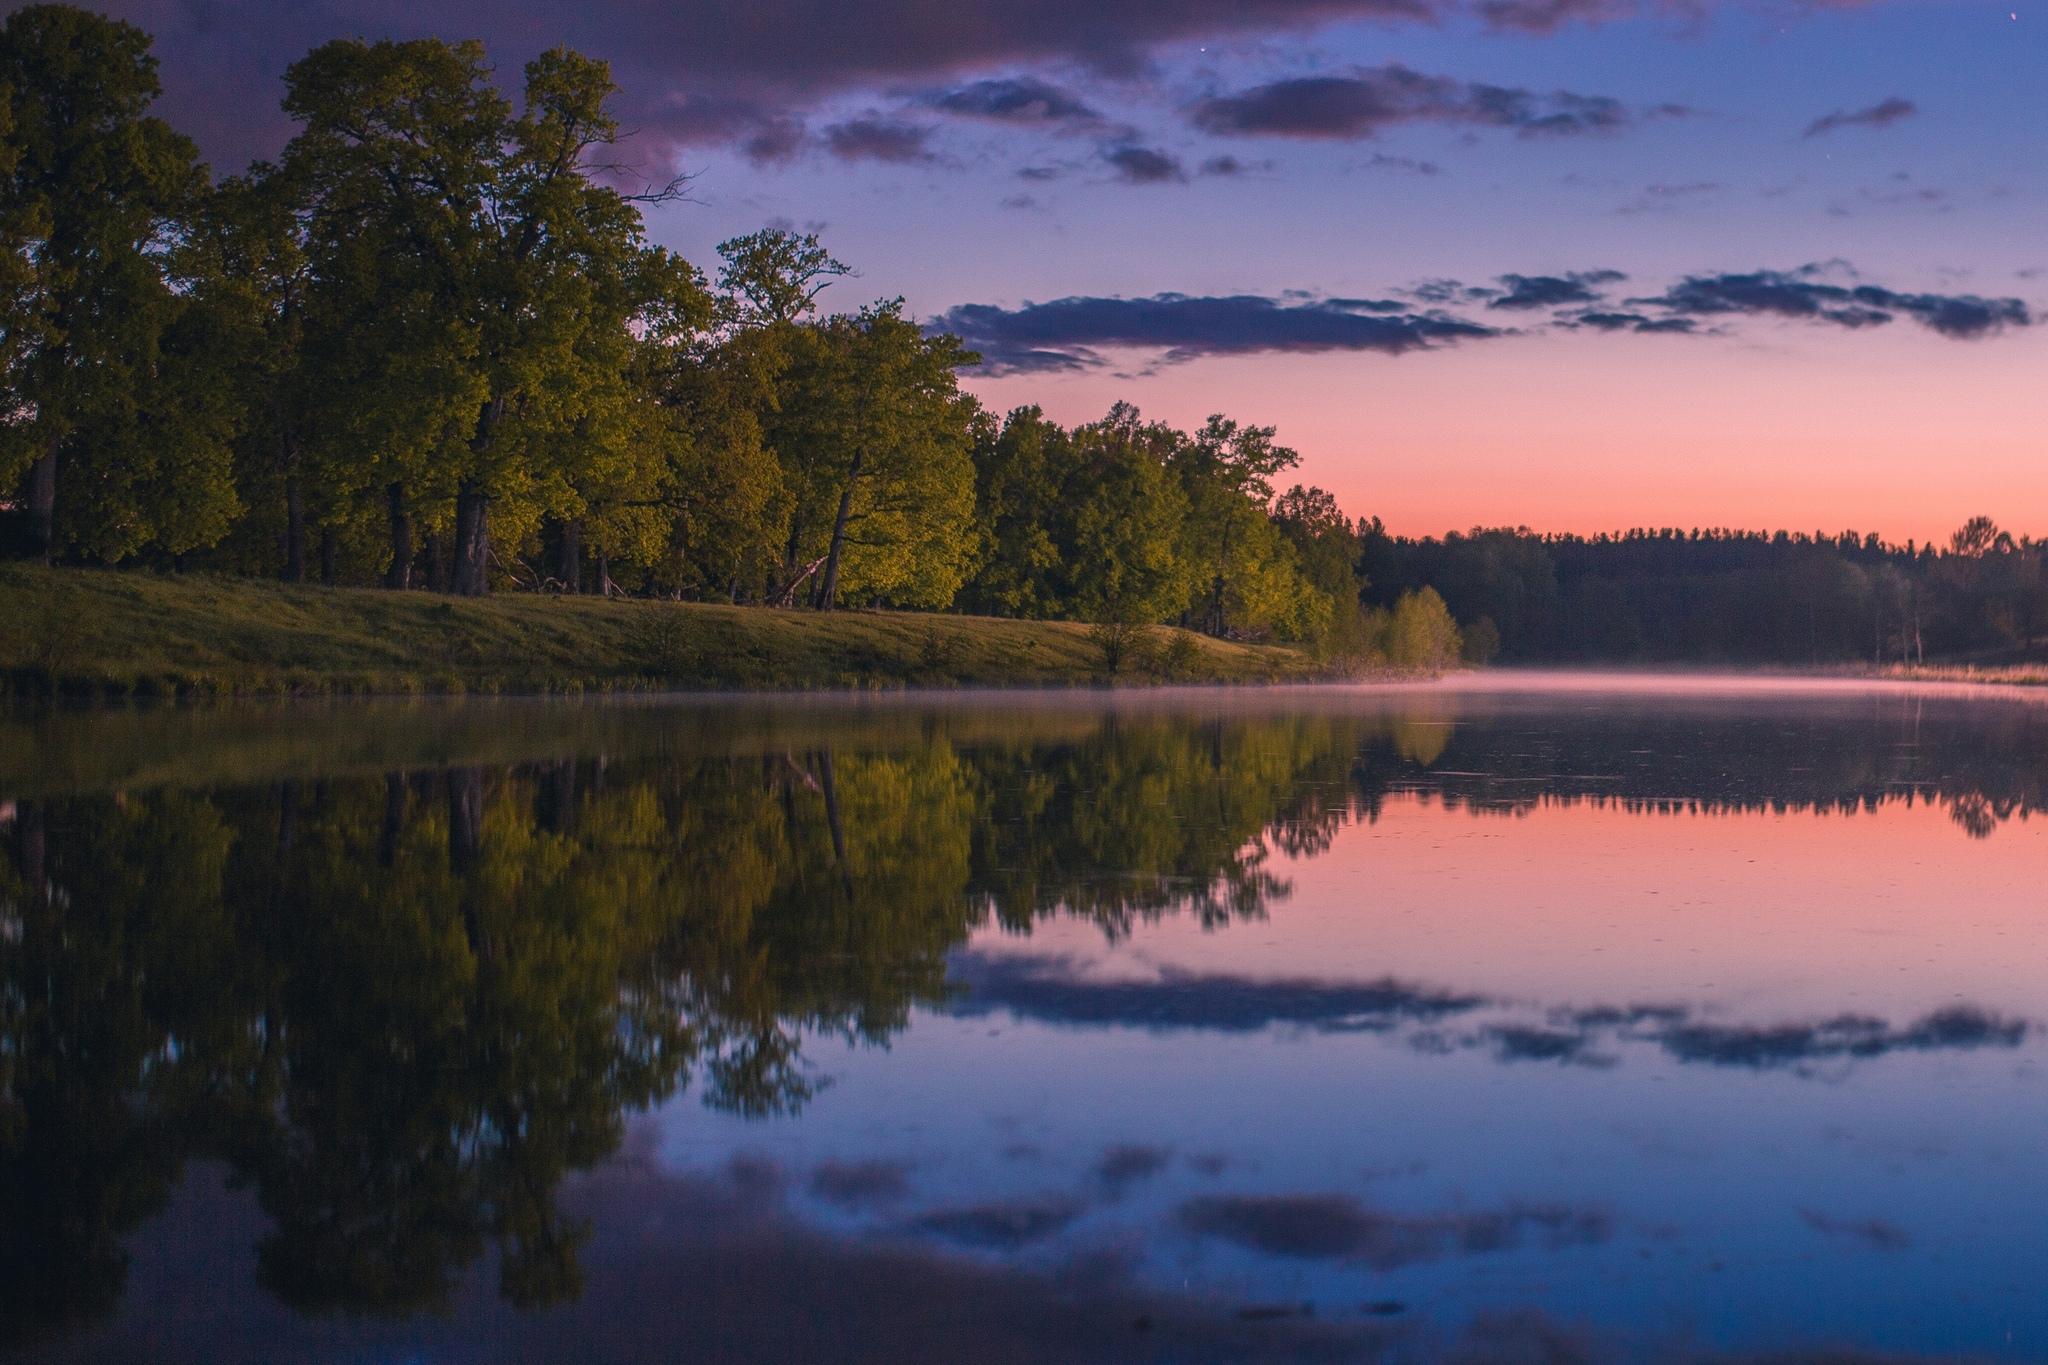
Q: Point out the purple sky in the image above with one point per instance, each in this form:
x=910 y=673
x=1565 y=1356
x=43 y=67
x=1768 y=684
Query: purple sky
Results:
x=1578 y=264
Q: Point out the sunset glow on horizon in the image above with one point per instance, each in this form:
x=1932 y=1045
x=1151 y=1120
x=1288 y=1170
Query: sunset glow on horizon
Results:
x=1579 y=904
x=1898 y=435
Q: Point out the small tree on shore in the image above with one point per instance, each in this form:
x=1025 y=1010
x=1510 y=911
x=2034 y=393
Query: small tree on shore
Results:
x=1422 y=633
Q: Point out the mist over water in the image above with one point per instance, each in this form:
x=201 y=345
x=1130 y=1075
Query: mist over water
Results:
x=1531 y=1017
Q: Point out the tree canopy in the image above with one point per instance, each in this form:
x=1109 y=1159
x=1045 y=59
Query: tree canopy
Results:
x=432 y=347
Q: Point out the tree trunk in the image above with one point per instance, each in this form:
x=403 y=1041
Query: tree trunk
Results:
x=399 y=577
x=561 y=799
x=783 y=592
x=570 y=567
x=437 y=563
x=294 y=530
x=330 y=556
x=472 y=541
x=1219 y=626
x=465 y=817
x=828 y=586
x=396 y=797
x=604 y=573
x=465 y=843
x=42 y=503
x=831 y=793
x=473 y=513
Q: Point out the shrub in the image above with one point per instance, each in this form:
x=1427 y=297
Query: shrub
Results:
x=1422 y=633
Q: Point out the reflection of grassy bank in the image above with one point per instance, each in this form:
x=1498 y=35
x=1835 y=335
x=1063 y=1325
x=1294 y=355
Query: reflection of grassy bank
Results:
x=107 y=633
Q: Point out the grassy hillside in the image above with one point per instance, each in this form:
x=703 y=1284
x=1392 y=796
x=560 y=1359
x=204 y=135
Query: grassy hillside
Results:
x=107 y=633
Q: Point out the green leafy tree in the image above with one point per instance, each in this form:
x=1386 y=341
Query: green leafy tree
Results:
x=772 y=278
x=1019 y=475
x=1123 y=523
x=477 y=289
x=711 y=385
x=874 y=437
x=243 y=258
x=1422 y=633
x=1326 y=553
x=105 y=361
x=1226 y=471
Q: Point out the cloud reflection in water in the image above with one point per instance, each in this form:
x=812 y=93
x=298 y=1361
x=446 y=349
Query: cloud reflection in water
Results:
x=1052 y=990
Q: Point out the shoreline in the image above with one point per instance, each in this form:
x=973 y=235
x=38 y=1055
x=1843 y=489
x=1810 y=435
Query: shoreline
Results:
x=111 y=635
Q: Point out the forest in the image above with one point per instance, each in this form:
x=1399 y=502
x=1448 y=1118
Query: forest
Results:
x=1734 y=596
x=432 y=348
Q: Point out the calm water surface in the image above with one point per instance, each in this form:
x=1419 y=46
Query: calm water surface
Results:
x=1528 y=1019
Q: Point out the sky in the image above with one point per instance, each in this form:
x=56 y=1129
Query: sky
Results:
x=1578 y=265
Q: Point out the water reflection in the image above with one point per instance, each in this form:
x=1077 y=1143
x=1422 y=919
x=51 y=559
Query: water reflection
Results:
x=1048 y=990
x=398 y=977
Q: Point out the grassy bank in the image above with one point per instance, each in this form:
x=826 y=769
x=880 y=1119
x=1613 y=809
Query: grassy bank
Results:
x=106 y=633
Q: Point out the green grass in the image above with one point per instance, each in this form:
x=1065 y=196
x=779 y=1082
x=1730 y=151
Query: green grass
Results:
x=87 y=632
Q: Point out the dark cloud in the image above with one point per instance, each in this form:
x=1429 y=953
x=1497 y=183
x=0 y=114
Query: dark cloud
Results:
x=1797 y=294
x=1630 y=322
x=755 y=1178
x=1874 y=1233
x=860 y=1184
x=1122 y=1167
x=1017 y=99
x=1225 y=166
x=1570 y=1036
x=1962 y=1028
x=775 y=142
x=1547 y=16
x=1002 y=1226
x=1361 y=104
x=1553 y=291
x=1065 y=334
x=684 y=1266
x=877 y=139
x=1880 y=115
x=1525 y=1044
x=751 y=60
x=1450 y=291
x=823 y=44
x=1381 y=161
x=1046 y=988
x=1340 y=1228
x=1144 y=165
x=1311 y=1227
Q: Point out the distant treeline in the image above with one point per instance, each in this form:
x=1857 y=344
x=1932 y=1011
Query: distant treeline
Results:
x=1738 y=596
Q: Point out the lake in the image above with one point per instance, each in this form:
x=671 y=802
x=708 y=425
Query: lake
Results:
x=1523 y=1018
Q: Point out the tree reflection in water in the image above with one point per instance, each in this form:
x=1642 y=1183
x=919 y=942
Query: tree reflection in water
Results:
x=402 y=1006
